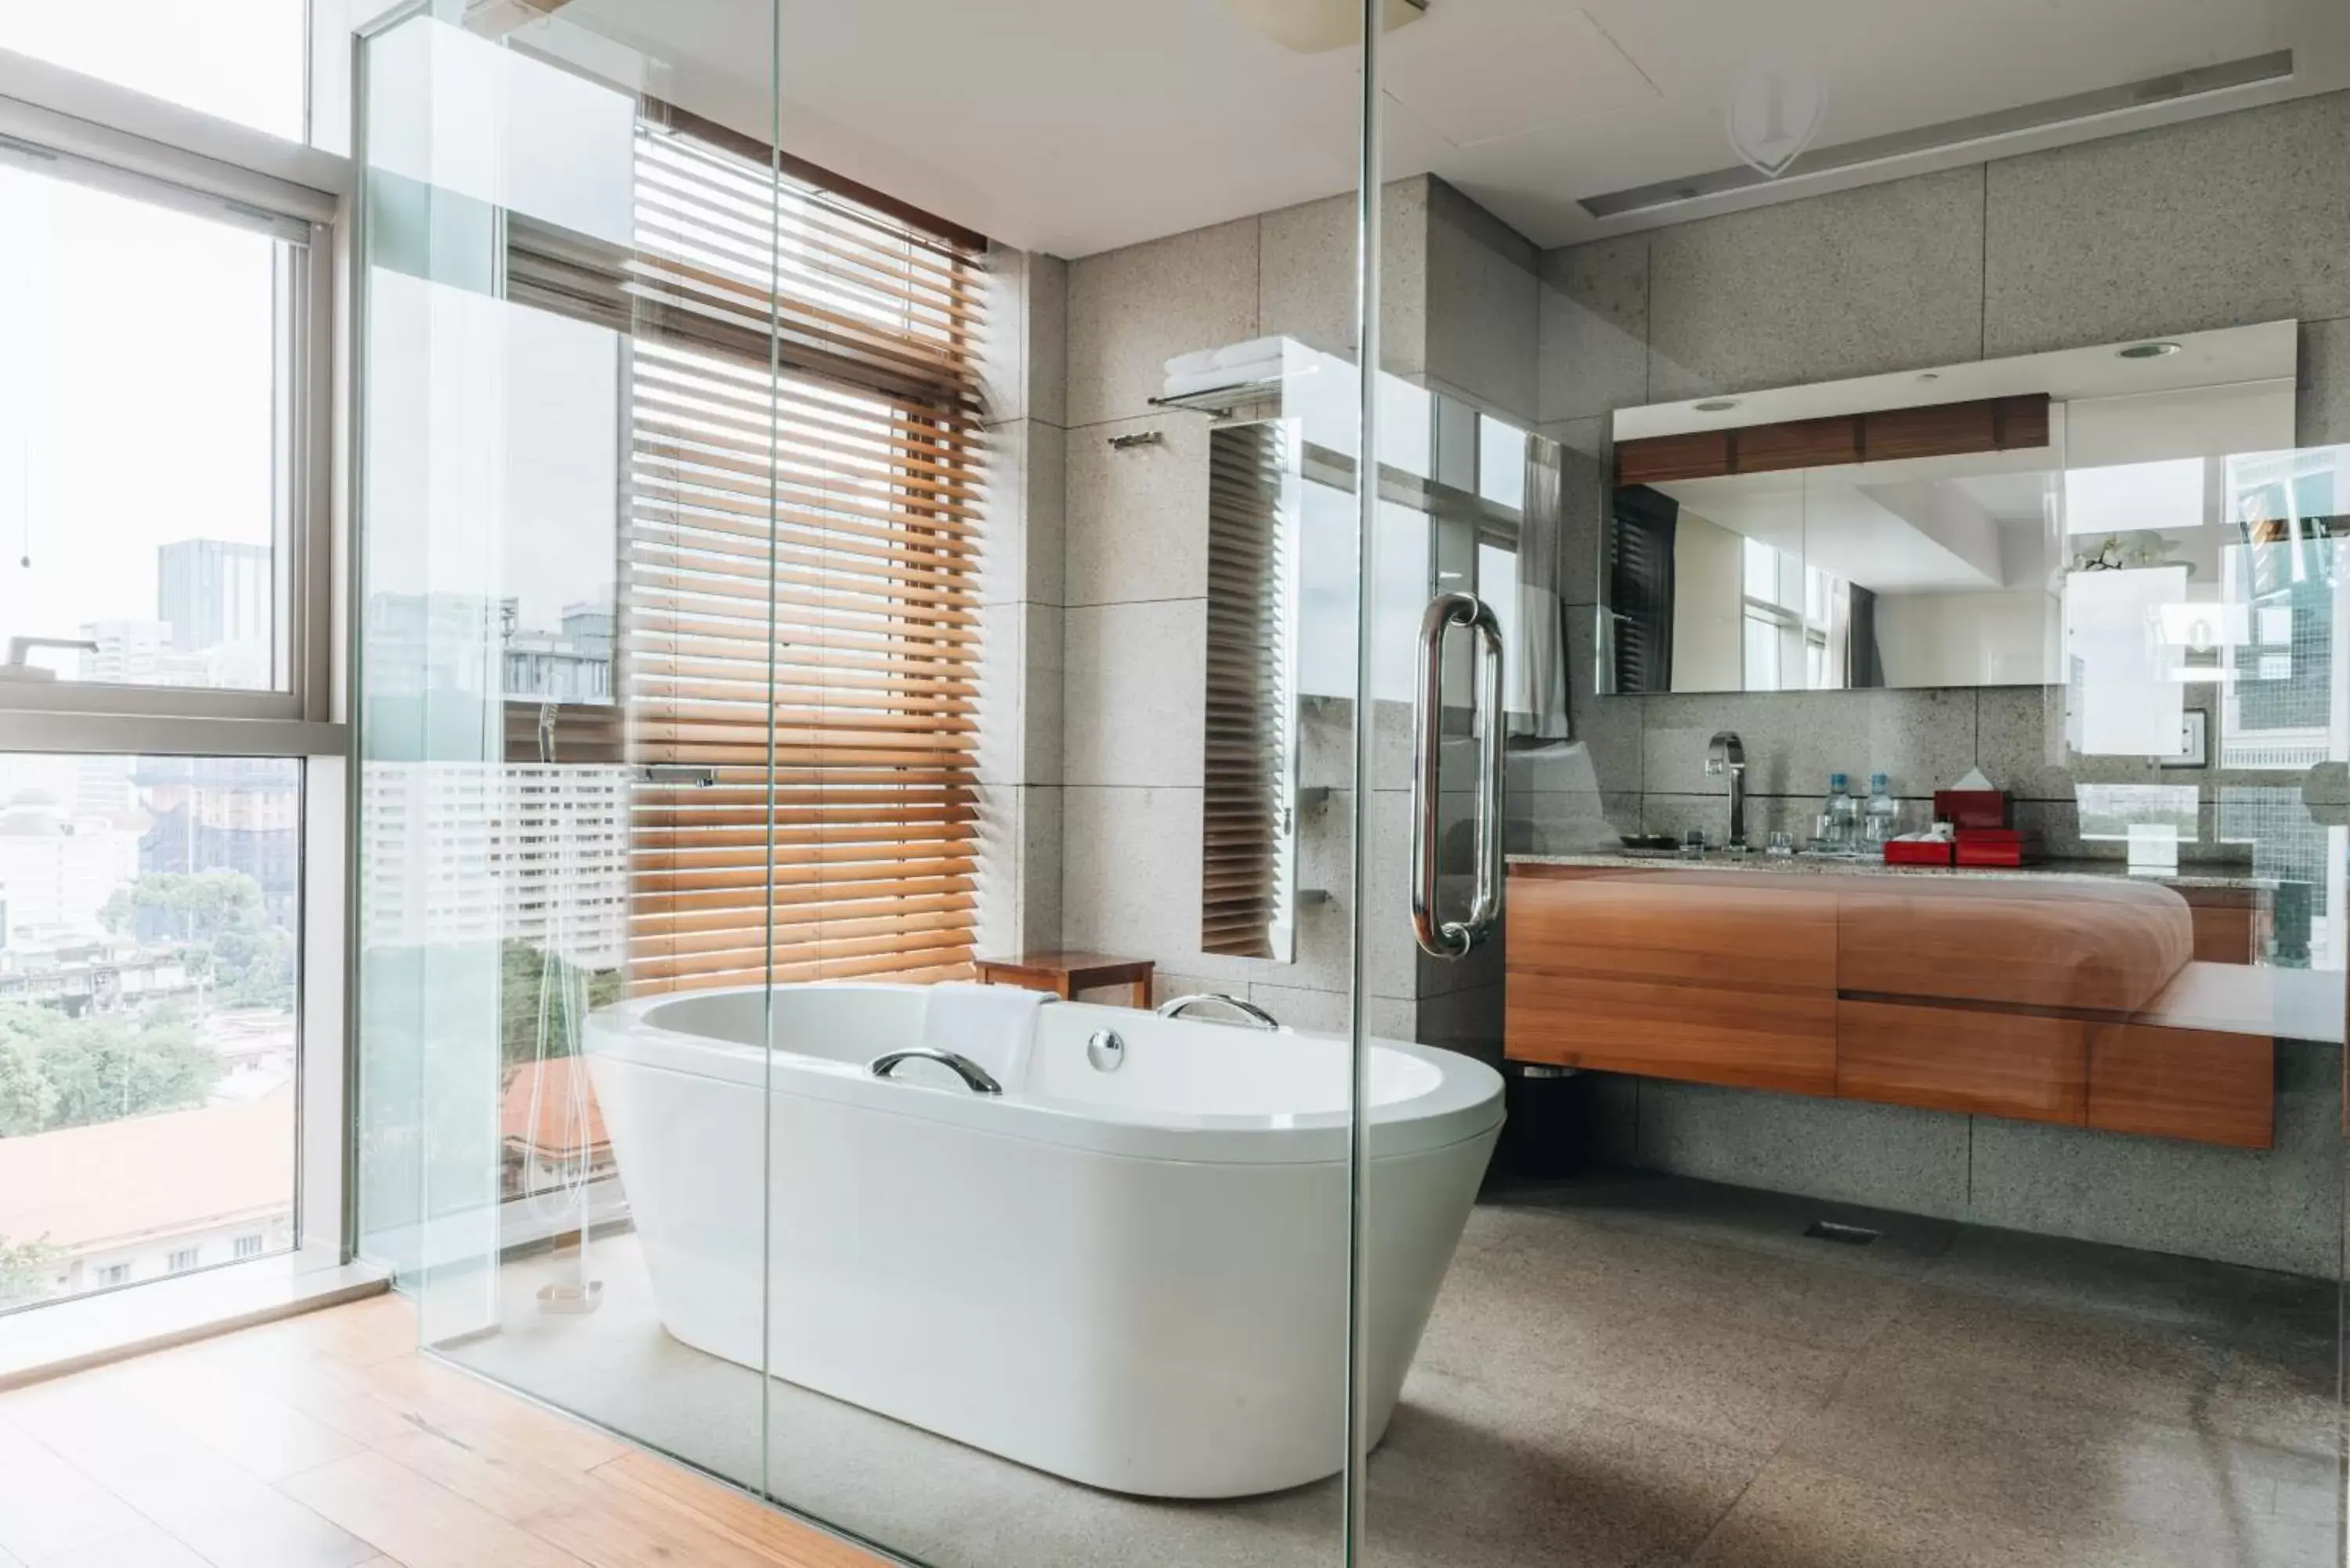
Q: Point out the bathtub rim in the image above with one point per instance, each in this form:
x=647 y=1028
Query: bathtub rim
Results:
x=1464 y=1102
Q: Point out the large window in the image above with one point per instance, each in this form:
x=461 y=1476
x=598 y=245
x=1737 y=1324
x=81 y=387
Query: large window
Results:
x=143 y=510
x=799 y=624
x=171 y=742
x=149 y=908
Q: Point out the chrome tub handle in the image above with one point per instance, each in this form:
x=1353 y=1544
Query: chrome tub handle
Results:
x=1258 y=1018
x=978 y=1078
x=1453 y=939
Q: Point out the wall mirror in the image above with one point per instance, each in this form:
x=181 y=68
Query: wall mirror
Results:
x=1458 y=488
x=2007 y=521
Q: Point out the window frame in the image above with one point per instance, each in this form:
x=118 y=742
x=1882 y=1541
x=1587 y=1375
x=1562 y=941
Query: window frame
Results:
x=116 y=139
x=69 y=150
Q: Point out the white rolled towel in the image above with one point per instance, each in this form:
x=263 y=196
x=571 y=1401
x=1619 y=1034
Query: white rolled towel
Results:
x=1250 y=352
x=995 y=1025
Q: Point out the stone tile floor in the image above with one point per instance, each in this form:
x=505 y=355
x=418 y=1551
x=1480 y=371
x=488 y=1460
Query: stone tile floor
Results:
x=1632 y=1369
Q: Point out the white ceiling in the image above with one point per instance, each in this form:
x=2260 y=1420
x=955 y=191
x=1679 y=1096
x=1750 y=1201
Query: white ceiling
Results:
x=1075 y=125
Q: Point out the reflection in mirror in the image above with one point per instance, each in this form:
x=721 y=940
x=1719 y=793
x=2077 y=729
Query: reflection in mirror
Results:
x=2011 y=522
x=1458 y=489
x=1248 y=840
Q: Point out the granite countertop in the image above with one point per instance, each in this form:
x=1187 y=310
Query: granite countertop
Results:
x=2217 y=875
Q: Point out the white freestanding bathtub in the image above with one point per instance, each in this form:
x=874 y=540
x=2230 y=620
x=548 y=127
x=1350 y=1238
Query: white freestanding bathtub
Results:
x=1133 y=1278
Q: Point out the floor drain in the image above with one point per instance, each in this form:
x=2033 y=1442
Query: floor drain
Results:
x=1850 y=1235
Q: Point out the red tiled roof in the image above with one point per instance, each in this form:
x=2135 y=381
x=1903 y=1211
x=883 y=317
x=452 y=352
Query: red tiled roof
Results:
x=171 y=1172
x=554 y=1134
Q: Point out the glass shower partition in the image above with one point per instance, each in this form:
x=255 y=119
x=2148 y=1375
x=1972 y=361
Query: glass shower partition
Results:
x=562 y=794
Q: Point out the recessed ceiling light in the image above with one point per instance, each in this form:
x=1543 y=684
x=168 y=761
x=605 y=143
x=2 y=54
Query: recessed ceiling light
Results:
x=1716 y=405
x=2147 y=350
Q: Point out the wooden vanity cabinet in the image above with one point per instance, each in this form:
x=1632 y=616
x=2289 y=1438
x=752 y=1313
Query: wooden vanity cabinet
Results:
x=2024 y=1065
x=1706 y=978
x=1829 y=985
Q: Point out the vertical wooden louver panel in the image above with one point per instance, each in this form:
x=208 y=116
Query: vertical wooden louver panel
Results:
x=1246 y=809
x=800 y=615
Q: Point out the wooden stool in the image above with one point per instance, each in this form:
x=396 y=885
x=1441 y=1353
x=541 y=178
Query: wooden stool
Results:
x=1066 y=974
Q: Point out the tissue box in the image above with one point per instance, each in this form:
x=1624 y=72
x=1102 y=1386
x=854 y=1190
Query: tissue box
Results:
x=1917 y=851
x=1971 y=807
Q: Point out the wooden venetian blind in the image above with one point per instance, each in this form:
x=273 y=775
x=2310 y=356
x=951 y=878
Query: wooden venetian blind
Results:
x=1245 y=809
x=799 y=623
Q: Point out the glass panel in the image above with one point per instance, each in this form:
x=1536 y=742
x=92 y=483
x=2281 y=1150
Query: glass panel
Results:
x=171 y=571
x=1950 y=537
x=526 y=878
x=248 y=62
x=1106 y=1296
x=149 y=993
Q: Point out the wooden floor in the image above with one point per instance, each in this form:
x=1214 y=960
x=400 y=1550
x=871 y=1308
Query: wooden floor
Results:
x=327 y=1441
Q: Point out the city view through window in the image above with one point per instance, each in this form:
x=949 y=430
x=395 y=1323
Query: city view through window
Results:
x=148 y=908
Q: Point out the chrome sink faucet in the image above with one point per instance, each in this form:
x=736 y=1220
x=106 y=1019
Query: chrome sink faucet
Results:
x=1724 y=754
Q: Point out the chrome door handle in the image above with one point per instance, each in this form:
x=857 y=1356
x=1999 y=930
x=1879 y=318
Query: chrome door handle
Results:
x=1453 y=939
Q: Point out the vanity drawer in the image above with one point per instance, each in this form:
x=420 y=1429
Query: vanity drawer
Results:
x=2013 y=944
x=2027 y=1065
x=1700 y=927
x=1705 y=1034
x=2196 y=1083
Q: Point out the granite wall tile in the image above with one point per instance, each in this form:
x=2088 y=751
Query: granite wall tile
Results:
x=1890 y=1157
x=1793 y=740
x=2323 y=408
x=1135 y=684
x=1583 y=483
x=1483 y=305
x=2279 y=1208
x=1022 y=541
x=1131 y=310
x=1880 y=278
x=1020 y=694
x=2129 y=236
x=1138 y=515
x=1594 y=330
x=1307 y=276
x=1130 y=874
x=1468 y=1021
x=1019 y=882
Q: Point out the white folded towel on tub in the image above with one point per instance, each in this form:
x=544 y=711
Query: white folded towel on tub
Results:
x=995 y=1025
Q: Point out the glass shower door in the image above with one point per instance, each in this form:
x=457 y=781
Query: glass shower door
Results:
x=1982 y=1206
x=564 y=742
x=1064 y=682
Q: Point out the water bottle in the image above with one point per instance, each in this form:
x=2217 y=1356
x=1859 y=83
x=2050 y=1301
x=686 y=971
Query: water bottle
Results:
x=1882 y=819
x=1839 y=818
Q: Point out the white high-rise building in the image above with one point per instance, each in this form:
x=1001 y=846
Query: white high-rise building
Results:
x=58 y=870
x=467 y=851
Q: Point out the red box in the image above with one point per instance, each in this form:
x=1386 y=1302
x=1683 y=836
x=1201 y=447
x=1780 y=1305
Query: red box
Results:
x=1917 y=851
x=1971 y=807
x=1998 y=846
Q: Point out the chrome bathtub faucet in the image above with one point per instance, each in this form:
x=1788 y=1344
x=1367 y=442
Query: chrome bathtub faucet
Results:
x=1257 y=1017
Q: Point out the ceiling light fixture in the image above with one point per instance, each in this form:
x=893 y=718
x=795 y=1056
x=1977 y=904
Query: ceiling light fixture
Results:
x=1716 y=405
x=1318 y=26
x=2147 y=350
